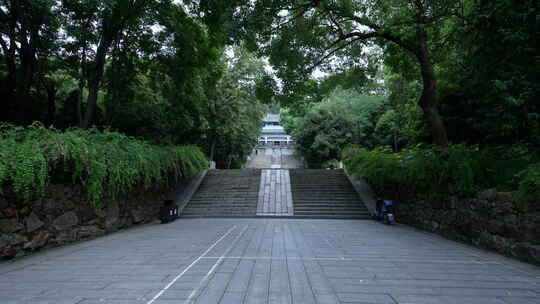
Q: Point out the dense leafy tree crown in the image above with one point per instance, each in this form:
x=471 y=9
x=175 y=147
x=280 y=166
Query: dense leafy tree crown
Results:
x=344 y=117
x=300 y=35
x=388 y=72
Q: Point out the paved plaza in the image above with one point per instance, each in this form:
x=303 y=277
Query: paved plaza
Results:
x=268 y=261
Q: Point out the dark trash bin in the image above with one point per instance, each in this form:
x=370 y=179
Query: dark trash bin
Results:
x=169 y=211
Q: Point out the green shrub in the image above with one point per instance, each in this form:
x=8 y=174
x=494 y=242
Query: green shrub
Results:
x=502 y=164
x=351 y=150
x=455 y=168
x=103 y=162
x=529 y=182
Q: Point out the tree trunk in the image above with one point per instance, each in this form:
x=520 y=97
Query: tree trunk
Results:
x=95 y=81
x=9 y=55
x=28 y=39
x=111 y=105
x=111 y=28
x=26 y=73
x=79 y=108
x=229 y=161
x=51 y=103
x=428 y=99
x=80 y=95
x=7 y=104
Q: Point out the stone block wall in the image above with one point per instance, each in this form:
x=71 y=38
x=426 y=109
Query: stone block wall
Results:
x=492 y=220
x=64 y=215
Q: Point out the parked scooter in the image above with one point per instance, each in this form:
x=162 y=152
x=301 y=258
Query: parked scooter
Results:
x=385 y=211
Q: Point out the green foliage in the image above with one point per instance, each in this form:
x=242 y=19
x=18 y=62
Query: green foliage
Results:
x=489 y=73
x=529 y=182
x=347 y=37
x=103 y=162
x=344 y=117
x=456 y=168
x=351 y=151
x=403 y=122
x=231 y=118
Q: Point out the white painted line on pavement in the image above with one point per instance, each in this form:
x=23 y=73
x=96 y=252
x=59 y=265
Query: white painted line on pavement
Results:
x=189 y=266
x=274 y=258
x=223 y=256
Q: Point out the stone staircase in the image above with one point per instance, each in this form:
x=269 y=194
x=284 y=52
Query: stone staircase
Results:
x=226 y=193
x=325 y=194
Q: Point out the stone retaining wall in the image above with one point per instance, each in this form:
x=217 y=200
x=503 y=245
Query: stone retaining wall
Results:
x=64 y=215
x=492 y=220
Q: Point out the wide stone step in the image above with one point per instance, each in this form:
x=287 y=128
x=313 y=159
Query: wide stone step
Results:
x=329 y=201
x=329 y=211
x=325 y=194
x=237 y=195
x=228 y=206
x=333 y=216
x=221 y=212
x=214 y=199
x=226 y=193
x=218 y=215
x=224 y=202
x=324 y=189
x=224 y=207
x=305 y=196
x=329 y=205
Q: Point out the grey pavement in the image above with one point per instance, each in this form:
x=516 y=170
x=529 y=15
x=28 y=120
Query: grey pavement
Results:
x=259 y=161
x=268 y=261
x=275 y=195
x=276 y=158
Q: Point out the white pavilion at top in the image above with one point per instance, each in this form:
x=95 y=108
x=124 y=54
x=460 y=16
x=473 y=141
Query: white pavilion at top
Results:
x=273 y=134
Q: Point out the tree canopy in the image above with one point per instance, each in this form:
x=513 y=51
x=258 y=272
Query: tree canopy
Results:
x=201 y=72
x=152 y=69
x=344 y=117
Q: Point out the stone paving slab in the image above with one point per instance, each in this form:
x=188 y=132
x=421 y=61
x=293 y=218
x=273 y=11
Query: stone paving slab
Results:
x=275 y=196
x=284 y=158
x=268 y=261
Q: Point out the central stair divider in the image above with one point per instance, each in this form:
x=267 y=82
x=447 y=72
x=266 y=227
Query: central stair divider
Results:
x=275 y=197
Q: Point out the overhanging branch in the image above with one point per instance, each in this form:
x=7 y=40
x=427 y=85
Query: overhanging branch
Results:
x=355 y=37
x=383 y=33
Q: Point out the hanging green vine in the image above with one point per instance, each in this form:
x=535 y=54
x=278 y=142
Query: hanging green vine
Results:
x=103 y=162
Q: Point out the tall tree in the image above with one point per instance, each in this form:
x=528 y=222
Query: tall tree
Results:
x=326 y=127
x=27 y=31
x=489 y=76
x=336 y=33
x=96 y=28
x=233 y=112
